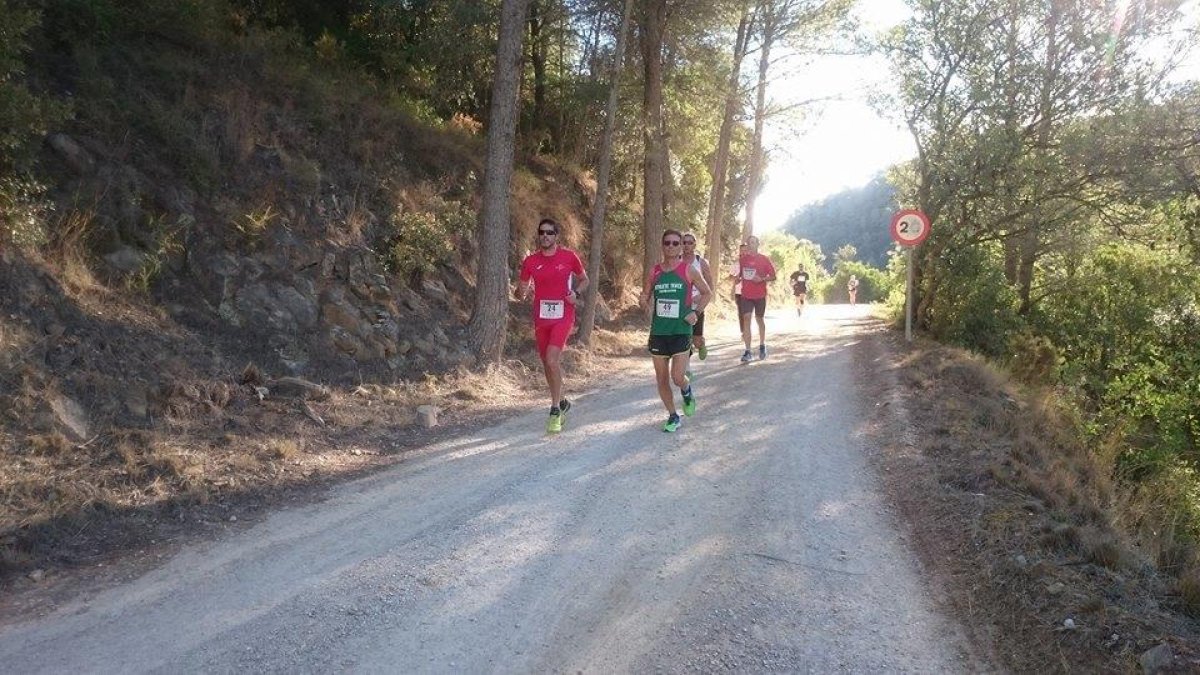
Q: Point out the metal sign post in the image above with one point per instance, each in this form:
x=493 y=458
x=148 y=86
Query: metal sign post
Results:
x=909 y=228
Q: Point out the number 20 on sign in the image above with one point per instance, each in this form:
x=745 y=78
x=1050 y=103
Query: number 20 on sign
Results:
x=909 y=228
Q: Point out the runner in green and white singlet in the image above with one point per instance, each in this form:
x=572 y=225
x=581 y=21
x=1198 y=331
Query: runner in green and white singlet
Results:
x=673 y=312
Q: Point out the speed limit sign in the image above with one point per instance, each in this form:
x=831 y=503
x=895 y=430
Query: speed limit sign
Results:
x=910 y=227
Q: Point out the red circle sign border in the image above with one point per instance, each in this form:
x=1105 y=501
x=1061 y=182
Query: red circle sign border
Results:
x=896 y=223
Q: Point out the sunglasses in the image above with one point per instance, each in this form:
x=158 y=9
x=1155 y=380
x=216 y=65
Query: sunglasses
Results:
x=673 y=242
x=689 y=242
x=549 y=232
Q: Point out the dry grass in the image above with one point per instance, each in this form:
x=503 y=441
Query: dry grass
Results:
x=1002 y=474
x=276 y=448
x=68 y=249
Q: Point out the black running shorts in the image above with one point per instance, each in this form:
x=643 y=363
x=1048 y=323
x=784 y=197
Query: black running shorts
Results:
x=758 y=306
x=670 y=345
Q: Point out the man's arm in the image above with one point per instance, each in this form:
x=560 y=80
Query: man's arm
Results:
x=697 y=279
x=581 y=284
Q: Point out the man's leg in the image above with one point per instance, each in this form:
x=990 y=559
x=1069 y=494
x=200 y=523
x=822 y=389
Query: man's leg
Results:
x=552 y=365
x=662 y=378
x=698 y=338
x=760 y=311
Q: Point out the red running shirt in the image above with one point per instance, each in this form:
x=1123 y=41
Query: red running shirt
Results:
x=551 y=275
x=760 y=264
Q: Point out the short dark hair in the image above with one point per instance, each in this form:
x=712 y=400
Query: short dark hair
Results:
x=668 y=232
x=549 y=221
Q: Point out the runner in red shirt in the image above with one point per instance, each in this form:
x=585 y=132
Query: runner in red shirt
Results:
x=756 y=271
x=557 y=279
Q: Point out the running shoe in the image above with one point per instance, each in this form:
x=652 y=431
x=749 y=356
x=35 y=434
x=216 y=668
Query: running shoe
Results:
x=673 y=423
x=702 y=352
x=746 y=356
x=689 y=404
x=554 y=424
x=762 y=352
x=563 y=406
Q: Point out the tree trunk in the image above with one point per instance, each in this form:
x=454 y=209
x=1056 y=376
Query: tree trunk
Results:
x=716 y=200
x=652 y=30
x=596 y=248
x=537 y=56
x=760 y=112
x=487 y=330
x=1030 y=241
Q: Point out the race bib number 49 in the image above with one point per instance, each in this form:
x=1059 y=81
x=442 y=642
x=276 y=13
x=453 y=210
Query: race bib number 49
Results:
x=668 y=309
x=552 y=309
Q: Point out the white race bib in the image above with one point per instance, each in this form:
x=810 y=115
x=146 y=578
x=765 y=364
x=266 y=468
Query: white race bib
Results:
x=748 y=273
x=552 y=309
x=668 y=308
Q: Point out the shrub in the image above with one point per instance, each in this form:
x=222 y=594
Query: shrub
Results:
x=420 y=241
x=974 y=306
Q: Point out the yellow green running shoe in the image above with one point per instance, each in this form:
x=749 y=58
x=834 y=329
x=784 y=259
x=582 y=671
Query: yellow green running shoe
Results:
x=672 y=424
x=702 y=352
x=554 y=424
x=689 y=404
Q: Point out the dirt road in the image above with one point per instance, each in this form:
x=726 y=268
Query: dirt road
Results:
x=753 y=539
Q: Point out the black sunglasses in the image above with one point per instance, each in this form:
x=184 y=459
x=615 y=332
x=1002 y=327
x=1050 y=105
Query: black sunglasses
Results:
x=547 y=232
x=689 y=242
x=673 y=242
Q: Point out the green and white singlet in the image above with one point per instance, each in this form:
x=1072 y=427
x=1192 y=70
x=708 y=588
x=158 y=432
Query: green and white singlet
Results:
x=672 y=295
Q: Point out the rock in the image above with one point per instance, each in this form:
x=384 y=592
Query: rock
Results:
x=428 y=414
x=1021 y=561
x=126 y=259
x=71 y=415
x=296 y=387
x=1157 y=659
x=434 y=288
x=1069 y=623
x=72 y=153
x=1056 y=588
x=344 y=341
x=134 y=399
x=37 y=575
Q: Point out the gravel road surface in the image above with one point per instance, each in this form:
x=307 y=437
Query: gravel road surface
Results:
x=754 y=539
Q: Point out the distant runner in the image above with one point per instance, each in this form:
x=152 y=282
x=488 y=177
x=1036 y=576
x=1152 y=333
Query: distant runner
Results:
x=756 y=271
x=556 y=277
x=800 y=289
x=668 y=297
x=852 y=289
x=692 y=258
x=736 y=275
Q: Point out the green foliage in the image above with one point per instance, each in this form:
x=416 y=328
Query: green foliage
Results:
x=874 y=284
x=25 y=117
x=23 y=211
x=1127 y=318
x=1033 y=359
x=787 y=253
x=168 y=243
x=421 y=241
x=975 y=307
